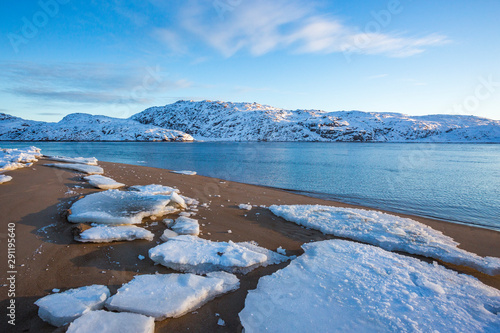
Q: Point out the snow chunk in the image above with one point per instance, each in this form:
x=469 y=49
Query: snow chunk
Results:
x=104 y=233
x=338 y=286
x=390 y=232
x=167 y=234
x=89 y=169
x=112 y=322
x=118 y=207
x=5 y=179
x=61 y=309
x=185 y=172
x=196 y=255
x=79 y=160
x=11 y=159
x=169 y=295
x=154 y=189
x=102 y=182
x=245 y=206
x=186 y=226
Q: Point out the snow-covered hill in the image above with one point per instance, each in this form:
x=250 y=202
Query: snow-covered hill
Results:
x=215 y=120
x=85 y=127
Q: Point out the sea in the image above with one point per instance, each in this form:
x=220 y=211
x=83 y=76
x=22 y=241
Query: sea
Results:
x=458 y=183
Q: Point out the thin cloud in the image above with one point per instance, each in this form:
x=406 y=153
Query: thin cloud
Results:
x=259 y=27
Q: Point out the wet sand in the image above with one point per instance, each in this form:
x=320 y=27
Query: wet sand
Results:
x=47 y=257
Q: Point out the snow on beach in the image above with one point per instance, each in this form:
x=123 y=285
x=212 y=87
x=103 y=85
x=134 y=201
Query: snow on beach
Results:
x=390 y=232
x=104 y=183
x=340 y=286
x=200 y=256
x=170 y=295
x=11 y=159
x=88 y=169
x=104 y=234
x=61 y=308
x=118 y=207
x=112 y=322
x=79 y=160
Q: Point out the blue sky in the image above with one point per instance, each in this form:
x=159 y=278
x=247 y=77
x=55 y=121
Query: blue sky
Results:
x=119 y=57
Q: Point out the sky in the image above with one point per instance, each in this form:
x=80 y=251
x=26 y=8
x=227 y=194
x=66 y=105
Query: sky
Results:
x=117 y=58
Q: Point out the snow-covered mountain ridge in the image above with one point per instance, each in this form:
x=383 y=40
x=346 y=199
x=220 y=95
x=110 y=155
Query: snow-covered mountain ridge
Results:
x=226 y=121
x=85 y=127
x=215 y=120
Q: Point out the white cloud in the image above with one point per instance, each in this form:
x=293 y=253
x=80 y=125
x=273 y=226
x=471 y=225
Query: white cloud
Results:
x=259 y=27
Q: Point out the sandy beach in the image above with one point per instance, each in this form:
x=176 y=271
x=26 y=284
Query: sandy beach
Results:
x=47 y=256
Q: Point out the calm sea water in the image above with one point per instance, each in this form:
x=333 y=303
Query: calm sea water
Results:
x=453 y=182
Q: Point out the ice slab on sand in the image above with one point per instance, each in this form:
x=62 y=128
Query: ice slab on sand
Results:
x=11 y=159
x=5 y=179
x=167 y=234
x=104 y=233
x=197 y=255
x=88 y=169
x=185 y=172
x=186 y=226
x=245 y=206
x=154 y=189
x=343 y=286
x=170 y=295
x=390 y=232
x=112 y=322
x=79 y=160
x=62 y=308
x=118 y=207
x=102 y=182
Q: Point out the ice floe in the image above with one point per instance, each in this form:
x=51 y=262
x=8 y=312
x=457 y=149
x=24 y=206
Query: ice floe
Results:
x=88 y=169
x=196 y=255
x=340 y=286
x=5 y=179
x=79 y=160
x=102 y=182
x=245 y=206
x=62 y=308
x=118 y=207
x=185 y=172
x=104 y=233
x=167 y=234
x=11 y=159
x=154 y=189
x=170 y=295
x=186 y=226
x=390 y=232
x=112 y=322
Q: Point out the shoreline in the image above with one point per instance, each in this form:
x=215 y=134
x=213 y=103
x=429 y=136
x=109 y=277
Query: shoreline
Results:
x=48 y=257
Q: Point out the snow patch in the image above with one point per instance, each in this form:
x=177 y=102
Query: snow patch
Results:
x=170 y=295
x=390 y=232
x=197 y=255
x=339 y=286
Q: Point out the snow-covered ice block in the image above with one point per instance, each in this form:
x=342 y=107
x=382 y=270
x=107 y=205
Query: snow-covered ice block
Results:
x=62 y=308
x=185 y=172
x=167 y=234
x=88 y=169
x=5 y=179
x=186 y=226
x=11 y=159
x=112 y=322
x=102 y=182
x=197 y=255
x=154 y=189
x=104 y=233
x=340 y=286
x=79 y=160
x=388 y=231
x=118 y=207
x=170 y=295
x=190 y=201
x=245 y=206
